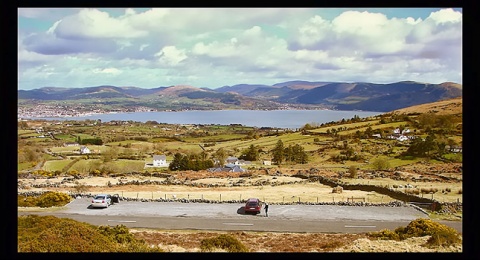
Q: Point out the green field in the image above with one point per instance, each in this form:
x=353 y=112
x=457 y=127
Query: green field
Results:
x=335 y=145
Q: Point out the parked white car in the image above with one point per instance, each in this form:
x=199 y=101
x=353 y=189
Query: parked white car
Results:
x=102 y=201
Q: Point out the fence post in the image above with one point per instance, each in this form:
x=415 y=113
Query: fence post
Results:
x=220 y=196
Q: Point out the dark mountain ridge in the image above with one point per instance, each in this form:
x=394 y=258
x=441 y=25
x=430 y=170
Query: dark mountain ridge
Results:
x=334 y=95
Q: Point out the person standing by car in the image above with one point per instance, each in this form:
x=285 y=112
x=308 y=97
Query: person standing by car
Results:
x=266 y=209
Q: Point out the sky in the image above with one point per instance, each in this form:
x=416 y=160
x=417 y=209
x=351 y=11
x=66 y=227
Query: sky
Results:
x=216 y=47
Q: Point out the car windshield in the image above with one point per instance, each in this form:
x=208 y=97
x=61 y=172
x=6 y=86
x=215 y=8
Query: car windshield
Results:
x=100 y=197
x=252 y=204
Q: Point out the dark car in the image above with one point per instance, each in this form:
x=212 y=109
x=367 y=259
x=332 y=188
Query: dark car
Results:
x=253 y=205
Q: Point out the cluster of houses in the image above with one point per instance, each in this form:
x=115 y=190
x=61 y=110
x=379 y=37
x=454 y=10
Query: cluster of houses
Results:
x=233 y=164
x=403 y=135
x=399 y=135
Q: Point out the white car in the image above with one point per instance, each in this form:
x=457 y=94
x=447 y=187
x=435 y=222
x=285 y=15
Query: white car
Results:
x=102 y=201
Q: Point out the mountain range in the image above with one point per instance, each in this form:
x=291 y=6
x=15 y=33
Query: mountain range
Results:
x=294 y=94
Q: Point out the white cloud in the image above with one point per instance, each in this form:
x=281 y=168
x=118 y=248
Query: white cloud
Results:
x=92 y=23
x=446 y=16
x=171 y=56
x=260 y=45
x=314 y=30
x=113 y=71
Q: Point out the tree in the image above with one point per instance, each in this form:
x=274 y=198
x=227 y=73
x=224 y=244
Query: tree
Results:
x=419 y=147
x=175 y=165
x=250 y=154
x=299 y=154
x=221 y=156
x=278 y=152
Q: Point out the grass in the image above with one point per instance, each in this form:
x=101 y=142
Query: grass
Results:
x=56 y=165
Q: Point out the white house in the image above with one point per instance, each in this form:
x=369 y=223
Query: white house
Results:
x=160 y=161
x=232 y=160
x=84 y=150
x=228 y=168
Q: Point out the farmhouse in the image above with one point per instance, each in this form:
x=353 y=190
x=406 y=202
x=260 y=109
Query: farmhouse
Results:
x=160 y=161
x=232 y=160
x=228 y=168
x=84 y=150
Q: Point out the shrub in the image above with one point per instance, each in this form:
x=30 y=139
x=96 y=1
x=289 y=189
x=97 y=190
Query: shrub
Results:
x=385 y=234
x=119 y=233
x=51 y=199
x=227 y=242
x=52 y=234
x=80 y=187
x=352 y=170
x=338 y=189
x=425 y=227
x=48 y=199
x=381 y=163
x=441 y=235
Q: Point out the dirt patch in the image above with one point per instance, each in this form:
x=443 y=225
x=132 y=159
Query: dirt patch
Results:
x=189 y=241
x=278 y=185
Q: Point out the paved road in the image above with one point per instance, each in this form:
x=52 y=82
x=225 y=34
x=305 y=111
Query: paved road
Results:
x=226 y=216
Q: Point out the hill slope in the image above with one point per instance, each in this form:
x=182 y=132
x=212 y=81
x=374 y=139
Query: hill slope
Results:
x=443 y=107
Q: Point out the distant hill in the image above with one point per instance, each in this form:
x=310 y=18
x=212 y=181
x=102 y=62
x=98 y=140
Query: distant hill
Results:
x=333 y=95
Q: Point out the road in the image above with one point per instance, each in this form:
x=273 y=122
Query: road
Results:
x=231 y=217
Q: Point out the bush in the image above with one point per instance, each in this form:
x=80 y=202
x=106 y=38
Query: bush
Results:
x=352 y=170
x=54 y=235
x=441 y=235
x=46 y=200
x=80 y=188
x=227 y=242
x=385 y=234
x=338 y=189
x=381 y=163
